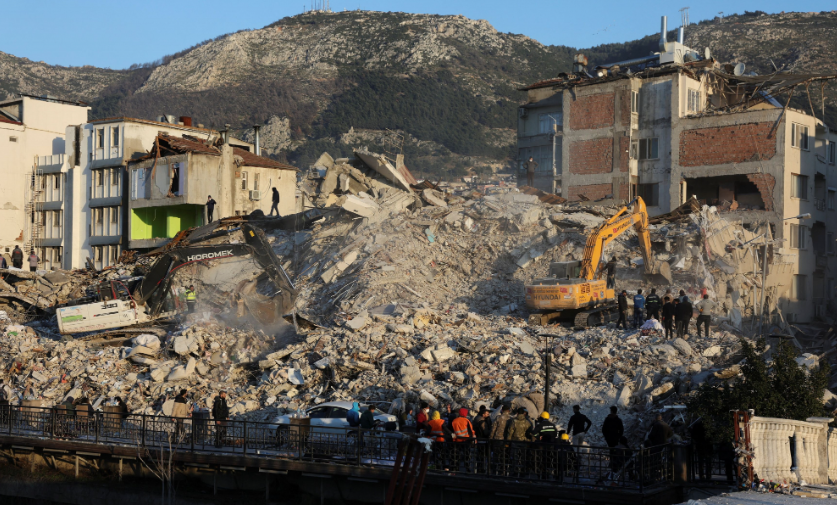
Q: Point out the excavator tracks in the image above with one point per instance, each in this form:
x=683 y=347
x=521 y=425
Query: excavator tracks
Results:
x=120 y=334
x=595 y=317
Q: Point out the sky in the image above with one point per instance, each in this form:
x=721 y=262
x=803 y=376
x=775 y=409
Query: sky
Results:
x=115 y=34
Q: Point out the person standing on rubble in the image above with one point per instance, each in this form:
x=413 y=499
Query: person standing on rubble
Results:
x=682 y=315
x=17 y=257
x=668 y=316
x=275 y=205
x=622 y=304
x=639 y=306
x=33 y=261
x=220 y=413
x=652 y=305
x=191 y=298
x=705 y=308
x=610 y=267
x=578 y=425
x=210 y=208
x=530 y=167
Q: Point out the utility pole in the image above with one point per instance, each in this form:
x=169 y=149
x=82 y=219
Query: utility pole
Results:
x=547 y=363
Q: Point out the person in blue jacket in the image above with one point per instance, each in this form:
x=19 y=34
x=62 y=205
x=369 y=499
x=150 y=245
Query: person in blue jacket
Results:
x=639 y=307
x=353 y=415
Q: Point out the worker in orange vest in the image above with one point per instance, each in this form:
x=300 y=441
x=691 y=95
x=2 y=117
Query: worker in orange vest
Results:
x=463 y=430
x=438 y=431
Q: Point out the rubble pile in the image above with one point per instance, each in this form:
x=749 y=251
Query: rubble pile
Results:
x=408 y=293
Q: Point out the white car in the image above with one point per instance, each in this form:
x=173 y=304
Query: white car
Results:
x=331 y=417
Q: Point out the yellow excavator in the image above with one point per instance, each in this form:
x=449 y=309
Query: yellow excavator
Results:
x=575 y=290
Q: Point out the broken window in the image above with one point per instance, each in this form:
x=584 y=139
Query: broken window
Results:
x=174 y=186
x=649 y=149
x=635 y=102
x=799 y=136
x=819 y=192
x=799 y=186
x=693 y=101
x=798 y=235
x=727 y=192
x=650 y=193
x=244 y=180
x=798 y=288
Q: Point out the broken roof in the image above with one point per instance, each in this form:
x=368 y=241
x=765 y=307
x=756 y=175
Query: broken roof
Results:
x=570 y=80
x=171 y=145
x=252 y=160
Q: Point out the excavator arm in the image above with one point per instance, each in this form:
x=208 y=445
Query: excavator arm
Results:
x=612 y=228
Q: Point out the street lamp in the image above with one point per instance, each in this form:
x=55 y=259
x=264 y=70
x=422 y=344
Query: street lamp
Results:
x=547 y=364
x=764 y=268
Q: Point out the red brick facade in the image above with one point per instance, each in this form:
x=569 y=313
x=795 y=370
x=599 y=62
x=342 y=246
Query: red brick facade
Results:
x=623 y=191
x=592 y=111
x=726 y=144
x=591 y=191
x=591 y=156
x=625 y=107
x=624 y=154
x=765 y=183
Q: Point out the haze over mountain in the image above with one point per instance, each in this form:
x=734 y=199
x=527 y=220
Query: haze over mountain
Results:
x=448 y=84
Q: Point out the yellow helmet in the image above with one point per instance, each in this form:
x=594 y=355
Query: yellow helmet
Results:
x=564 y=436
x=545 y=415
x=435 y=415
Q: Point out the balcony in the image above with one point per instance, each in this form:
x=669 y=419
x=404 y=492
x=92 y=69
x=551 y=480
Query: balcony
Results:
x=819 y=204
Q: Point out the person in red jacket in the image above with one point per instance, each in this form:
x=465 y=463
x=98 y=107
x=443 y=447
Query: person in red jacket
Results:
x=422 y=418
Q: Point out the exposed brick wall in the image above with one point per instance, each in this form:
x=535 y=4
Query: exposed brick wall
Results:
x=592 y=111
x=625 y=107
x=591 y=156
x=726 y=144
x=765 y=183
x=623 y=191
x=591 y=191
x=624 y=155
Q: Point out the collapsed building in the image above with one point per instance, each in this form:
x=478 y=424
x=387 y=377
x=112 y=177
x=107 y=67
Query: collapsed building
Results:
x=677 y=124
x=405 y=293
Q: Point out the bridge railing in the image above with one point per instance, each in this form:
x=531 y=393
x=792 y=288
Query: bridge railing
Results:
x=530 y=461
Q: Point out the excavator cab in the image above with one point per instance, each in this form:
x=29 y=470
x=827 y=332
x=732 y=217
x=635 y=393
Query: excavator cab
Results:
x=565 y=269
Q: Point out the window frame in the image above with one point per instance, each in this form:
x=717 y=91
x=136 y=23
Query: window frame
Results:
x=114 y=136
x=800 y=136
x=244 y=181
x=256 y=180
x=830 y=152
x=654 y=200
x=693 y=100
x=798 y=236
x=795 y=186
x=634 y=102
x=645 y=146
x=100 y=138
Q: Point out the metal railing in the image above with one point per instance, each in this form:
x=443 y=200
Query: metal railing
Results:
x=520 y=461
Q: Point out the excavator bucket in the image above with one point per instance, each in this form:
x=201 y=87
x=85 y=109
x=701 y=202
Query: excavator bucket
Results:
x=660 y=274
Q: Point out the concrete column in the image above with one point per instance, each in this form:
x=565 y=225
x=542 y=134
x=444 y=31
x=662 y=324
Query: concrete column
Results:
x=832 y=456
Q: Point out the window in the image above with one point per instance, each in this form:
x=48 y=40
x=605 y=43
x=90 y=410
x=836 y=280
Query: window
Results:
x=548 y=121
x=829 y=242
x=831 y=198
x=542 y=155
x=57 y=181
x=114 y=182
x=798 y=236
x=650 y=193
x=634 y=149
x=693 y=101
x=798 y=288
x=256 y=181
x=831 y=152
x=114 y=254
x=799 y=136
x=635 y=102
x=799 y=186
x=114 y=134
x=100 y=138
x=649 y=149
x=244 y=180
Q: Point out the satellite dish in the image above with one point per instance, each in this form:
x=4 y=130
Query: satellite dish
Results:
x=706 y=53
x=739 y=70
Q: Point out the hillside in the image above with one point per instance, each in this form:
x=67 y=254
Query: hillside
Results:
x=447 y=84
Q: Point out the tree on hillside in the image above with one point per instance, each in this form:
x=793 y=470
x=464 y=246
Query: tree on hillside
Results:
x=780 y=388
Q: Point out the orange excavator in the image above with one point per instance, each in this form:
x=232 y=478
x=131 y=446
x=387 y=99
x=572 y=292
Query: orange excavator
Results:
x=575 y=290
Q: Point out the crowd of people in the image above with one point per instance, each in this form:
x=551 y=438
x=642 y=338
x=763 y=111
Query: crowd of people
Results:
x=670 y=314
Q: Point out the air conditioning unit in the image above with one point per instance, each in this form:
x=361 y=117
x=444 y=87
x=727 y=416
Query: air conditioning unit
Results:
x=255 y=195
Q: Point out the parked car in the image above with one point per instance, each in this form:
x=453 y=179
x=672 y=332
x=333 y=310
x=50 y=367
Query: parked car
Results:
x=331 y=417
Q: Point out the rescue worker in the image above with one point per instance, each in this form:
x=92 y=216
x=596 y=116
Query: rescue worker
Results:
x=530 y=167
x=422 y=418
x=210 y=208
x=498 y=431
x=611 y=273
x=33 y=261
x=463 y=430
x=544 y=430
x=622 y=303
x=682 y=315
x=275 y=205
x=578 y=425
x=652 y=305
x=191 y=298
x=705 y=308
x=639 y=306
x=668 y=316
x=499 y=449
x=566 y=455
x=520 y=428
x=438 y=431
x=17 y=257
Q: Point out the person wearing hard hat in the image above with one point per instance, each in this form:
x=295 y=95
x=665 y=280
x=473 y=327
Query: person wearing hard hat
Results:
x=566 y=455
x=439 y=433
x=544 y=430
x=463 y=432
x=191 y=298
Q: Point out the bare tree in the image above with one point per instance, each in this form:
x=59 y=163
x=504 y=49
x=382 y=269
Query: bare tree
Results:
x=157 y=455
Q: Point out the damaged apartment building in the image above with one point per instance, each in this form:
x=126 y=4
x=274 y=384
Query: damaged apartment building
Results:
x=677 y=124
x=81 y=197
